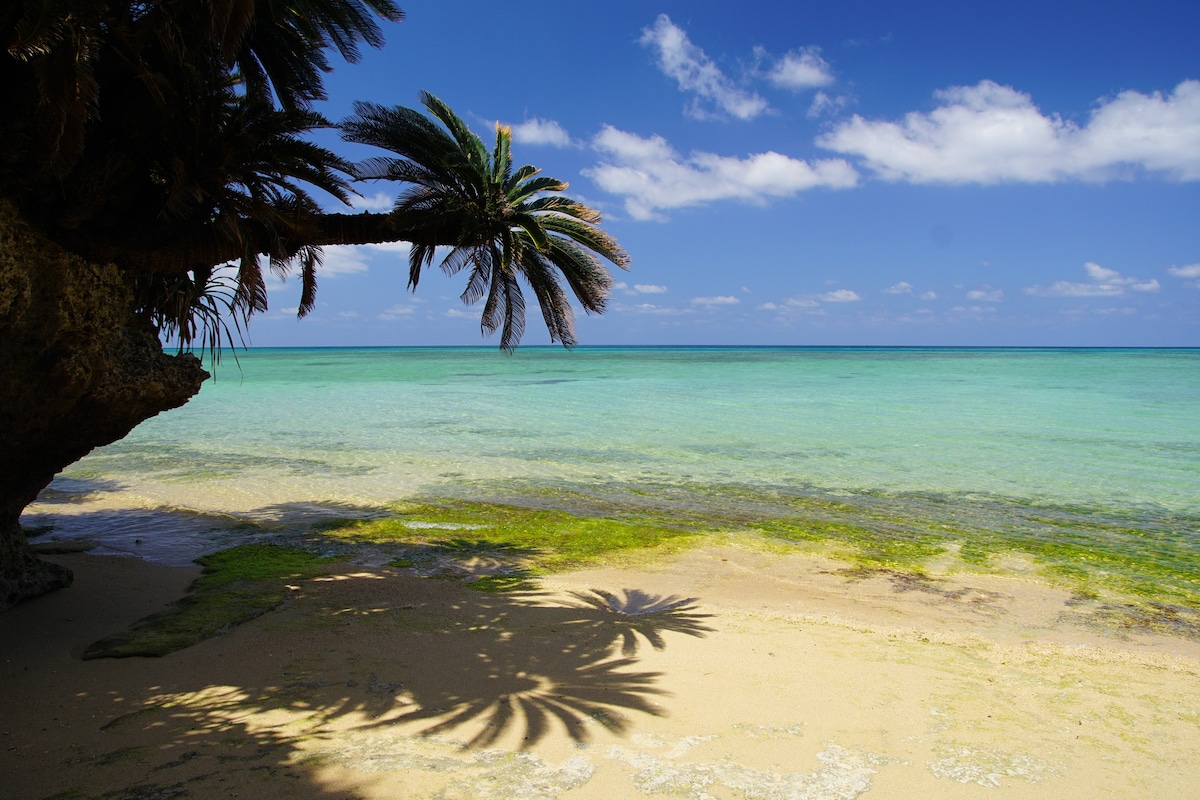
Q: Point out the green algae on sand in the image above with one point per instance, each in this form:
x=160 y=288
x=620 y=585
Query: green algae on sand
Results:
x=237 y=585
x=505 y=547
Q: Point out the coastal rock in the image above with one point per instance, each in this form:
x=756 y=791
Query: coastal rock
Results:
x=77 y=371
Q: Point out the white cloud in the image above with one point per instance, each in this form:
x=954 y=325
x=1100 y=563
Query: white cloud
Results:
x=1101 y=274
x=903 y=287
x=459 y=313
x=376 y=202
x=802 y=69
x=1190 y=271
x=930 y=295
x=696 y=73
x=839 y=296
x=639 y=288
x=398 y=312
x=342 y=260
x=650 y=308
x=652 y=176
x=795 y=306
x=724 y=300
x=1068 y=289
x=354 y=259
x=986 y=294
x=990 y=133
x=396 y=247
x=540 y=132
x=1105 y=283
x=823 y=103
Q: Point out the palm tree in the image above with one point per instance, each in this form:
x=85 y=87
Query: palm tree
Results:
x=502 y=224
x=148 y=142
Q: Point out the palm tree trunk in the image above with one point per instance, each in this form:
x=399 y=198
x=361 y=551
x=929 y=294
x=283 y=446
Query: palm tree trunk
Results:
x=202 y=249
x=78 y=372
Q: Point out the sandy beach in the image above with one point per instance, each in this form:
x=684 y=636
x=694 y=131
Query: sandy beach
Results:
x=721 y=673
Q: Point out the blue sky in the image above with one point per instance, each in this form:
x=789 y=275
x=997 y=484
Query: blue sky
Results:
x=851 y=173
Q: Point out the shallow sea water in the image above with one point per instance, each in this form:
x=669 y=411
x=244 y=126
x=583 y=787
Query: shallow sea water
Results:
x=1099 y=448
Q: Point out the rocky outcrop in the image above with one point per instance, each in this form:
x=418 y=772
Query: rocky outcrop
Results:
x=77 y=371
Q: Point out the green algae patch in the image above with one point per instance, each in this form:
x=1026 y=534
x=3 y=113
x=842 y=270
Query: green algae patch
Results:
x=500 y=584
x=858 y=544
x=1135 y=568
x=237 y=585
x=509 y=544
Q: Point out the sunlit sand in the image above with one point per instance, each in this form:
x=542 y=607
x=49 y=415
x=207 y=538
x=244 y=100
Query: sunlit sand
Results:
x=719 y=673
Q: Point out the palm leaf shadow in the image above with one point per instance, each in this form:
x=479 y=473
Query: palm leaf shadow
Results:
x=640 y=613
x=564 y=670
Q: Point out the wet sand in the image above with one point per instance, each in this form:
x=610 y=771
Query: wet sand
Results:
x=722 y=673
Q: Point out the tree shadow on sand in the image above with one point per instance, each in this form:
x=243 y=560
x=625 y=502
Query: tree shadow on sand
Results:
x=490 y=665
x=558 y=669
x=372 y=671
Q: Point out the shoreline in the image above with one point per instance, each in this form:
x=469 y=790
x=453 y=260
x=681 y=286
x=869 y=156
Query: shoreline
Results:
x=783 y=678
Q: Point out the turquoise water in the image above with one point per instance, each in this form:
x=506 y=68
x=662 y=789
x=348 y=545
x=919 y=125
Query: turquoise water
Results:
x=1099 y=445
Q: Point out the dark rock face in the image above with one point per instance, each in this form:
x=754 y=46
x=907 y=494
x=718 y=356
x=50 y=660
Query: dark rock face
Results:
x=76 y=372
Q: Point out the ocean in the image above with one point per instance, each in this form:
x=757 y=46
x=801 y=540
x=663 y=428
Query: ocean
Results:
x=974 y=450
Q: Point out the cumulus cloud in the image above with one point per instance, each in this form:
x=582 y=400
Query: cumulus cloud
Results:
x=812 y=303
x=650 y=308
x=639 y=288
x=839 y=296
x=540 y=132
x=398 y=312
x=990 y=133
x=353 y=259
x=904 y=287
x=398 y=248
x=795 y=307
x=652 y=176
x=801 y=69
x=1189 y=271
x=376 y=202
x=1104 y=282
x=343 y=260
x=986 y=294
x=823 y=103
x=723 y=300
x=696 y=73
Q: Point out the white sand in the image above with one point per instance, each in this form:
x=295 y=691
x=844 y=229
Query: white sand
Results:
x=784 y=679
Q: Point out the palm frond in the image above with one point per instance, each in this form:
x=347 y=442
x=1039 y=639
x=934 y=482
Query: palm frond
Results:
x=529 y=188
x=556 y=308
x=310 y=258
x=471 y=147
x=198 y=311
x=507 y=225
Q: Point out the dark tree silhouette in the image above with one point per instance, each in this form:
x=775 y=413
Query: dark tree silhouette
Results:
x=148 y=143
